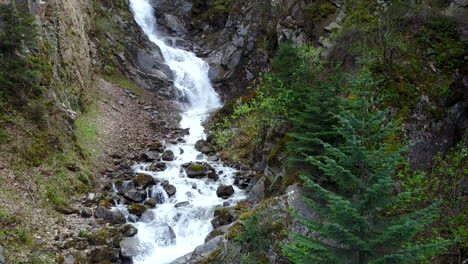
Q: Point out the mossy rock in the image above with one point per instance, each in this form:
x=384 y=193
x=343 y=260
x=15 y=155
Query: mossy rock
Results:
x=144 y=180
x=234 y=231
x=242 y=206
x=197 y=168
x=246 y=215
x=137 y=209
x=106 y=203
x=103 y=237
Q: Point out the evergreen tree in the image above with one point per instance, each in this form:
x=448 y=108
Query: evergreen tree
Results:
x=315 y=117
x=353 y=227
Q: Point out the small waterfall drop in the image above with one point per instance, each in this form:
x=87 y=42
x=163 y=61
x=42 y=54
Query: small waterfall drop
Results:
x=174 y=231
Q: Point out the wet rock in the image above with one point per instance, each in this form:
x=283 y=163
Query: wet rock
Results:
x=185 y=259
x=86 y=213
x=132 y=218
x=205 y=250
x=123 y=186
x=130 y=247
x=135 y=195
x=213 y=175
x=129 y=230
x=137 y=209
x=181 y=204
x=101 y=254
x=200 y=144
x=217 y=232
x=196 y=171
x=242 y=179
x=168 y=155
x=213 y=158
x=164 y=235
x=151 y=203
x=158 y=166
x=113 y=217
x=150 y=156
x=144 y=180
x=170 y=189
x=225 y=191
x=148 y=216
x=208 y=150
x=222 y=216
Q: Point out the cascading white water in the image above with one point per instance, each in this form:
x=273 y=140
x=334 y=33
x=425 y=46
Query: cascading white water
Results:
x=191 y=223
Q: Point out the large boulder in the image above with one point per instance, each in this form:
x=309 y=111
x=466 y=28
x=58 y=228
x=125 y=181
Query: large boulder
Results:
x=150 y=156
x=136 y=196
x=130 y=247
x=111 y=216
x=144 y=180
x=225 y=191
x=196 y=171
x=168 y=155
x=200 y=144
x=169 y=188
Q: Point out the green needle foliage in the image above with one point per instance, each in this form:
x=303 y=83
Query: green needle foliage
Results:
x=359 y=168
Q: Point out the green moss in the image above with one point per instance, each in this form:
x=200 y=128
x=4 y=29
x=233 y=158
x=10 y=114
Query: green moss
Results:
x=125 y=83
x=327 y=9
x=234 y=231
x=197 y=168
x=246 y=215
x=213 y=257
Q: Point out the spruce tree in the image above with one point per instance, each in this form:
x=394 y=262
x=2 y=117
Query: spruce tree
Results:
x=353 y=226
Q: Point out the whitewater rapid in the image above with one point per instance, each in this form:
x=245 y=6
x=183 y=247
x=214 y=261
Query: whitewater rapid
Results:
x=190 y=224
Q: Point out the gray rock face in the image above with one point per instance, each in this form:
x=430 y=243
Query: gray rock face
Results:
x=174 y=24
x=203 y=251
x=168 y=155
x=225 y=191
x=113 y=217
x=135 y=195
x=258 y=191
x=181 y=204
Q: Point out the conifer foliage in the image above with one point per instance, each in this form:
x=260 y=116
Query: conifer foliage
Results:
x=354 y=227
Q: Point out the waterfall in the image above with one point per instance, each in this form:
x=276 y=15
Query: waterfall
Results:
x=175 y=231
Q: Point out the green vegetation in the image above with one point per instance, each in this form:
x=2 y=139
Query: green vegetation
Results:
x=359 y=169
x=316 y=112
